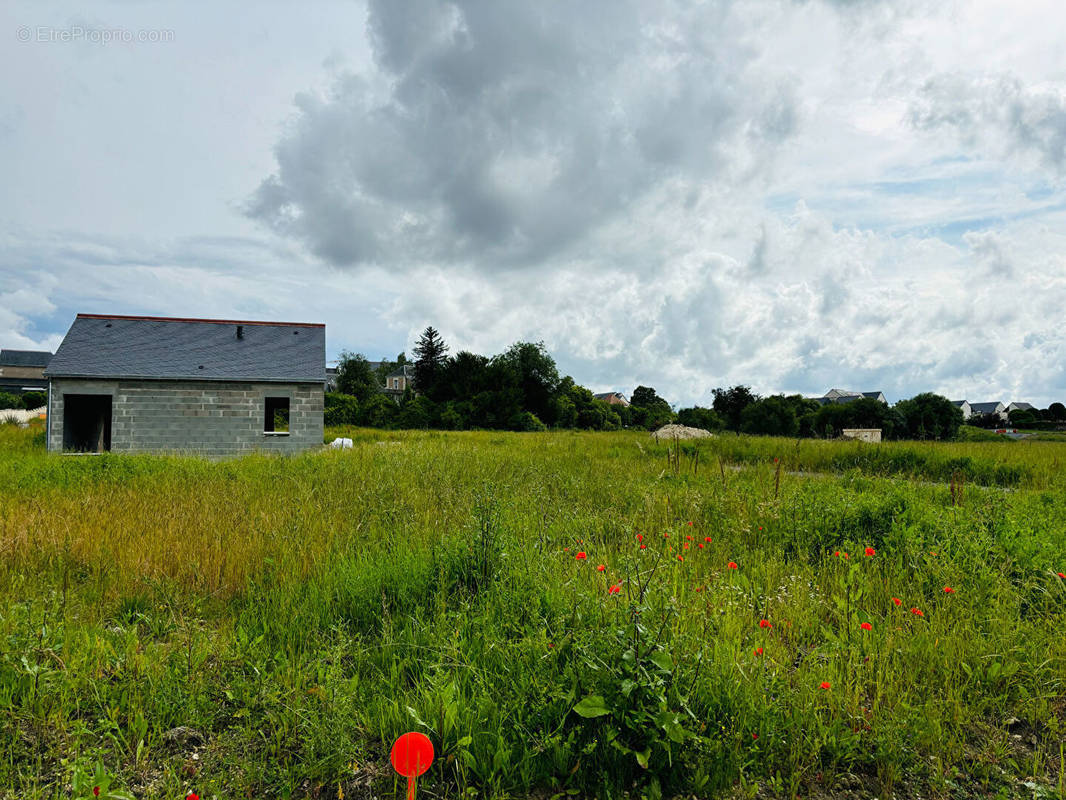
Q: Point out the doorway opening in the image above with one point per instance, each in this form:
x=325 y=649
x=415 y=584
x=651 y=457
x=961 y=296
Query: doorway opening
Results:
x=87 y=422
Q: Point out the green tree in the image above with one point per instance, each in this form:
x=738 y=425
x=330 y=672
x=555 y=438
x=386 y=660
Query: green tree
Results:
x=730 y=403
x=534 y=373
x=9 y=400
x=648 y=410
x=34 y=399
x=929 y=416
x=355 y=377
x=1057 y=411
x=770 y=416
x=431 y=355
x=340 y=409
x=698 y=417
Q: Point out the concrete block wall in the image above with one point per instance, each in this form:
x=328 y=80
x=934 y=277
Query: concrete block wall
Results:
x=211 y=418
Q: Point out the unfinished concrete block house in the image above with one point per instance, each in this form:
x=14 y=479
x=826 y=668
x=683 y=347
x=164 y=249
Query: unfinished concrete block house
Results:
x=211 y=387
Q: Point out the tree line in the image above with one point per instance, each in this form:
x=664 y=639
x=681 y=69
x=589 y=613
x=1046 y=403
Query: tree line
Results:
x=521 y=390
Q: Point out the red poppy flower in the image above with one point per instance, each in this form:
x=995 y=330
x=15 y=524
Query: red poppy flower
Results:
x=690 y=524
x=917 y=612
x=601 y=568
x=666 y=536
x=581 y=556
x=96 y=791
x=754 y=736
x=948 y=590
x=700 y=545
x=640 y=537
x=758 y=651
x=708 y=540
x=732 y=565
x=866 y=626
x=1061 y=575
x=551 y=644
x=775 y=460
x=760 y=527
x=566 y=549
x=615 y=589
x=836 y=554
x=825 y=684
x=870 y=551
x=846 y=555
x=680 y=558
x=643 y=547
x=192 y=796
x=765 y=623
x=688 y=538
x=698 y=589
x=897 y=601
x=685 y=547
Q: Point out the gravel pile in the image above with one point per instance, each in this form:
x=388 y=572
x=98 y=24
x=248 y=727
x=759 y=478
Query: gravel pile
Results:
x=670 y=432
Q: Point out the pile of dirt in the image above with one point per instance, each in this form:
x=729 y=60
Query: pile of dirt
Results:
x=670 y=432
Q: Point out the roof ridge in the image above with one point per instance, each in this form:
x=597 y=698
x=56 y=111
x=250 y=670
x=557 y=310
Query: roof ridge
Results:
x=145 y=318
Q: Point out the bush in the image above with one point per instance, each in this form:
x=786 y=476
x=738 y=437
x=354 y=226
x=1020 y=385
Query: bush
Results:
x=527 y=422
x=341 y=409
x=8 y=400
x=34 y=399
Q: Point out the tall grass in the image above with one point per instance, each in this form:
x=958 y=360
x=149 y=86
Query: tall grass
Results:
x=300 y=613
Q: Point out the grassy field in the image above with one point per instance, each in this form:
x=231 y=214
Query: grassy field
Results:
x=265 y=628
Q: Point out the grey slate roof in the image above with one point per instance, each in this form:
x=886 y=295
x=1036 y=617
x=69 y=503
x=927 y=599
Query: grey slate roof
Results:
x=402 y=371
x=24 y=358
x=163 y=348
x=986 y=408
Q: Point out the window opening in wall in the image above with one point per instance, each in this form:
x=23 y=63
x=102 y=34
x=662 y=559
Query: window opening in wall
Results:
x=277 y=415
x=87 y=422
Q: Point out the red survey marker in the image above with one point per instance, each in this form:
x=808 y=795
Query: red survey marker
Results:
x=411 y=755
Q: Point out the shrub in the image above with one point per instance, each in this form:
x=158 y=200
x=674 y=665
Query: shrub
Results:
x=34 y=399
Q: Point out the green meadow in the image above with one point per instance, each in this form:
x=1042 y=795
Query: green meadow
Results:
x=563 y=614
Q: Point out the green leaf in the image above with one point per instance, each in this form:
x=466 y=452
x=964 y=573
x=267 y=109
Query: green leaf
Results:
x=662 y=660
x=592 y=706
x=465 y=741
x=628 y=686
x=642 y=757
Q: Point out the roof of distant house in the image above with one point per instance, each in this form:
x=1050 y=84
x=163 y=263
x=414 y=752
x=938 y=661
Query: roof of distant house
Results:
x=986 y=408
x=24 y=358
x=169 y=348
x=1020 y=406
x=402 y=371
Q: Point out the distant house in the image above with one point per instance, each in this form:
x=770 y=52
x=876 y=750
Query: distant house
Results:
x=845 y=396
x=22 y=371
x=212 y=387
x=400 y=379
x=1019 y=406
x=612 y=398
x=994 y=407
x=964 y=407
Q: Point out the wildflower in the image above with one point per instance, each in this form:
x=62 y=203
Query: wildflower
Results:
x=755 y=736
x=601 y=568
x=581 y=555
x=869 y=551
x=688 y=538
x=192 y=796
x=760 y=527
x=615 y=589
x=1061 y=575
x=948 y=590
x=917 y=612
x=758 y=651
x=700 y=545
x=732 y=565
x=836 y=554
x=775 y=460
x=690 y=524
x=643 y=547
x=765 y=623
x=846 y=556
x=96 y=791
x=708 y=540
x=640 y=537
x=680 y=558
x=666 y=536
x=685 y=547
x=551 y=645
x=825 y=684
x=897 y=601
x=566 y=549
x=866 y=626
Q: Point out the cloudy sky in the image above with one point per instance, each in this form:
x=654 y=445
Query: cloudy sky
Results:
x=792 y=194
